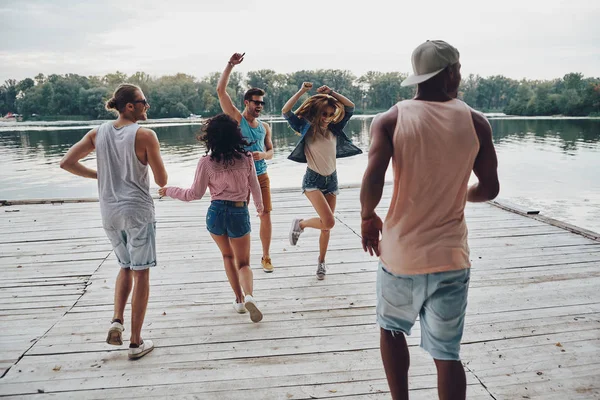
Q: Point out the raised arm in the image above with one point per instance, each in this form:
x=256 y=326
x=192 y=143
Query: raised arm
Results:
x=341 y=98
x=155 y=161
x=71 y=161
x=224 y=98
x=380 y=152
x=287 y=107
x=196 y=191
x=486 y=163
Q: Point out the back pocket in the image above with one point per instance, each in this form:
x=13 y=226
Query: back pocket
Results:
x=395 y=290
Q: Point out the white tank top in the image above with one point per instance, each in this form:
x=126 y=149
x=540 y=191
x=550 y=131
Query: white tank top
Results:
x=123 y=181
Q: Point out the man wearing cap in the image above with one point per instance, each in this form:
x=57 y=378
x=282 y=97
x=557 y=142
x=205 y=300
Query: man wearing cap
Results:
x=434 y=141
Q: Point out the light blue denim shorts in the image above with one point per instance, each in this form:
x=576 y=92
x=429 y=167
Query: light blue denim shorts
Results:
x=440 y=300
x=135 y=248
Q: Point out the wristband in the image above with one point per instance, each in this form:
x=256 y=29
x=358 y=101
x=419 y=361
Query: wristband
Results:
x=230 y=63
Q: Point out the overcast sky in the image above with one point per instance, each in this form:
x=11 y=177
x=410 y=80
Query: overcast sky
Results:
x=516 y=38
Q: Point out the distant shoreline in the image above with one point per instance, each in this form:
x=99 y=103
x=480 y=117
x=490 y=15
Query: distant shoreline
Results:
x=161 y=122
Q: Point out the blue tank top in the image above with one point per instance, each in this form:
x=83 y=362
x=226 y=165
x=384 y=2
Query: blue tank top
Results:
x=256 y=137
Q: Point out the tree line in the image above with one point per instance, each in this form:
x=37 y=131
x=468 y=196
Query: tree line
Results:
x=180 y=95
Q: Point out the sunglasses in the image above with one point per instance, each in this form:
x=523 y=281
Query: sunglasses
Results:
x=258 y=102
x=143 y=101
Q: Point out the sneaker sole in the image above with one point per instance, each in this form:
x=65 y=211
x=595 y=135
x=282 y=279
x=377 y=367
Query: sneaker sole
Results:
x=320 y=277
x=114 y=337
x=267 y=270
x=140 y=355
x=291 y=235
x=255 y=314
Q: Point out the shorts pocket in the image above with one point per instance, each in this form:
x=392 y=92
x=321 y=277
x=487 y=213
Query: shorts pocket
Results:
x=396 y=290
x=212 y=220
x=238 y=223
x=450 y=298
x=138 y=237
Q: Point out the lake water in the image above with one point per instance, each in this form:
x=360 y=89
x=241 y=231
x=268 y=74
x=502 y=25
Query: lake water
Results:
x=550 y=164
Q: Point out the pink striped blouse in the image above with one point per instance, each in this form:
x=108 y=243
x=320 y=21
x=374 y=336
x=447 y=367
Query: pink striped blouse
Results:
x=226 y=181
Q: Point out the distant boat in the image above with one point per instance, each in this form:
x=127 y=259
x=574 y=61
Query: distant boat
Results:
x=10 y=117
x=194 y=116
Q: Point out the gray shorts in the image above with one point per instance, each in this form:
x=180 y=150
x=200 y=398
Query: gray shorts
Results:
x=135 y=248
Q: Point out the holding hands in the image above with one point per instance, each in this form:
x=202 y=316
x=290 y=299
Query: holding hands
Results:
x=236 y=58
x=162 y=192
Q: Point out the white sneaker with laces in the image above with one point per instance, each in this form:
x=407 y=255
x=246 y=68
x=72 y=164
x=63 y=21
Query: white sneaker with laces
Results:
x=239 y=308
x=138 y=352
x=114 y=336
x=255 y=314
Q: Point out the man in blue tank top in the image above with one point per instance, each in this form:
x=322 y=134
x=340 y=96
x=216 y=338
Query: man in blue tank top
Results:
x=258 y=133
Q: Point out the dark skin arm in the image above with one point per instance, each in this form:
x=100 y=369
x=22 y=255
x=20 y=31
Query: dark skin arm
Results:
x=380 y=153
x=486 y=163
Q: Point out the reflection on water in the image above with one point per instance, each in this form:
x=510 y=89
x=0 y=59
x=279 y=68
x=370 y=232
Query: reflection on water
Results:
x=548 y=164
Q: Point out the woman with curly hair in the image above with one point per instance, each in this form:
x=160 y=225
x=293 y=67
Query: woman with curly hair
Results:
x=320 y=121
x=228 y=171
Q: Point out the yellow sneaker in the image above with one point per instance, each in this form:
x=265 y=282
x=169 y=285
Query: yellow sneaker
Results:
x=266 y=264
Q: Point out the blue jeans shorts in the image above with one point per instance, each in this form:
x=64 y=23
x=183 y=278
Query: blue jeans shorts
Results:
x=229 y=218
x=314 y=181
x=439 y=299
x=135 y=248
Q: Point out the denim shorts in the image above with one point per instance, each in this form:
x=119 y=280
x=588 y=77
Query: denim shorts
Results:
x=135 y=248
x=439 y=299
x=314 y=181
x=224 y=218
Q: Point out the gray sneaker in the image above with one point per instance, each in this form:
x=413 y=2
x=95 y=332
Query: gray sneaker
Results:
x=321 y=271
x=295 y=231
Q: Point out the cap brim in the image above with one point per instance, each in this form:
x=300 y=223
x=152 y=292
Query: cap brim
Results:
x=416 y=79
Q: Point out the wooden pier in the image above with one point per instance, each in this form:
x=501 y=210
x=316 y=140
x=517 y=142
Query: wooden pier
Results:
x=532 y=327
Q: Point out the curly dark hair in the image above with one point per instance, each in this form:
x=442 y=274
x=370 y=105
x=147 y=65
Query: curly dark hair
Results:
x=223 y=139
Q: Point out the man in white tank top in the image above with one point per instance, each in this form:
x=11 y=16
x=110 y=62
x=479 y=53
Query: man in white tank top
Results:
x=435 y=141
x=124 y=151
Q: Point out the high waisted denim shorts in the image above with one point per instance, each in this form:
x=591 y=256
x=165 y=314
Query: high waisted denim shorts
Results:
x=315 y=181
x=229 y=218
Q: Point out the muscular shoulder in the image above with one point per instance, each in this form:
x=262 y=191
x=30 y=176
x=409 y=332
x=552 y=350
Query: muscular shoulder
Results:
x=266 y=126
x=387 y=120
x=481 y=123
x=146 y=135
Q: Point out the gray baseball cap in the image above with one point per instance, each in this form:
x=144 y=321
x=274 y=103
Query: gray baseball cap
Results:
x=429 y=59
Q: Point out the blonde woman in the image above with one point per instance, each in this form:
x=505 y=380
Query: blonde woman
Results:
x=320 y=121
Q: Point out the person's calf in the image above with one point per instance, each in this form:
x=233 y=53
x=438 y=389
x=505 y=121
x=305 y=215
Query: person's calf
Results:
x=396 y=362
x=452 y=381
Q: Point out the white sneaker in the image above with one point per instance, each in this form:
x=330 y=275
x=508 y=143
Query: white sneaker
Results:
x=321 y=270
x=295 y=231
x=138 y=352
x=239 y=307
x=114 y=336
x=255 y=314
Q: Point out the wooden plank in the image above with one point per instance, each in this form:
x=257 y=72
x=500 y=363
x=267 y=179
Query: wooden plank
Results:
x=533 y=285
